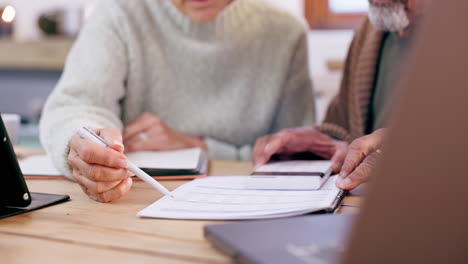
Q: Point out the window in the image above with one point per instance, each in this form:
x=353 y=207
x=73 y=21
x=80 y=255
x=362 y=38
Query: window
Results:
x=335 y=14
x=347 y=6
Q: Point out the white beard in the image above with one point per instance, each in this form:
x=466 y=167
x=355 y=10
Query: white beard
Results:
x=391 y=18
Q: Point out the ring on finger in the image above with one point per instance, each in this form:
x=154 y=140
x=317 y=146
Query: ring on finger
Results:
x=142 y=136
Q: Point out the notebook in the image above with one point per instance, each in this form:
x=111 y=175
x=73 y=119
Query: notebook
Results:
x=230 y=198
x=185 y=162
x=177 y=164
x=297 y=240
x=292 y=174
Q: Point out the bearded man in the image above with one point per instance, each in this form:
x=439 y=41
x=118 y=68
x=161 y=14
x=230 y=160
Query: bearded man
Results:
x=358 y=112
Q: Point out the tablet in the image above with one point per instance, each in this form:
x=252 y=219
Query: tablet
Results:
x=13 y=189
x=15 y=197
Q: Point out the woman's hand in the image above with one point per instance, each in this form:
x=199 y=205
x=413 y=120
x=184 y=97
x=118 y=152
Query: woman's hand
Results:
x=101 y=172
x=361 y=160
x=150 y=133
x=297 y=140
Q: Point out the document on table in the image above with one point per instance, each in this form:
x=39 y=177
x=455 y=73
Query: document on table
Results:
x=229 y=198
x=38 y=165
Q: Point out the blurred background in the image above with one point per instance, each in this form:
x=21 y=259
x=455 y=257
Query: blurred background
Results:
x=36 y=35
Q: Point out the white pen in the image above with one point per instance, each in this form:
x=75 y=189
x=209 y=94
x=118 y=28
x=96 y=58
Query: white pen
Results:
x=90 y=135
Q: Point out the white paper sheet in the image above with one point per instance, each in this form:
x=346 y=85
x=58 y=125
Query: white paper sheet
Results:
x=293 y=175
x=284 y=182
x=296 y=166
x=175 y=159
x=38 y=165
x=227 y=198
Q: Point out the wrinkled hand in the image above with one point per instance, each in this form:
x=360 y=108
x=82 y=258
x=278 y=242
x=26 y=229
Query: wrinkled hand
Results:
x=150 y=133
x=101 y=172
x=297 y=140
x=360 y=160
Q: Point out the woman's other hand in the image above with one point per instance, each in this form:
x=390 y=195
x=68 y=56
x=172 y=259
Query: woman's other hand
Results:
x=149 y=133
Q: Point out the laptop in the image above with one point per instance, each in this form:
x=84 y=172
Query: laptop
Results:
x=304 y=239
x=416 y=210
x=15 y=197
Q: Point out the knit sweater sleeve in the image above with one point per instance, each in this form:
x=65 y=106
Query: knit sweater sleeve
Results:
x=336 y=120
x=87 y=94
x=295 y=108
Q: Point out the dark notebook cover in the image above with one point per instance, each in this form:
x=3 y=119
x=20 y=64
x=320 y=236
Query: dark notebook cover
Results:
x=39 y=200
x=298 y=240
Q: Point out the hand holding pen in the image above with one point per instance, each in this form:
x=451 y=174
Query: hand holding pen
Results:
x=102 y=172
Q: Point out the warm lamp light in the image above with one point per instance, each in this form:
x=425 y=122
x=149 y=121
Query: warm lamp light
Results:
x=8 y=14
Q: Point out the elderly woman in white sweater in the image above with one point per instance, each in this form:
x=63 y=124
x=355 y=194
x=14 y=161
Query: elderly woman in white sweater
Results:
x=172 y=74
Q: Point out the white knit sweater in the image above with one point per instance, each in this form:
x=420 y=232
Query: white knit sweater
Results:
x=230 y=81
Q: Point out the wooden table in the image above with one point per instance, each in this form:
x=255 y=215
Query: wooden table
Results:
x=85 y=231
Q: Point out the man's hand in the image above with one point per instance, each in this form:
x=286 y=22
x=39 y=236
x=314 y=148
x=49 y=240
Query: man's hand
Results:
x=150 y=133
x=361 y=160
x=101 y=172
x=297 y=140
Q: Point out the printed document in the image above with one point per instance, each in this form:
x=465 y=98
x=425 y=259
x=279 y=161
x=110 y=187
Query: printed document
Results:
x=229 y=198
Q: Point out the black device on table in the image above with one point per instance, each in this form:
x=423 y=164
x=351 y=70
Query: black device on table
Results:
x=15 y=197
